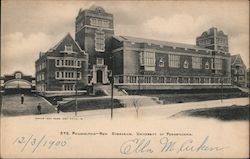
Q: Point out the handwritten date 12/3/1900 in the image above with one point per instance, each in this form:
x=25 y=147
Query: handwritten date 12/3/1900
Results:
x=32 y=143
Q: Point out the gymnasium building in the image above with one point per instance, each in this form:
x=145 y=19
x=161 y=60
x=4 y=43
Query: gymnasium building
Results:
x=96 y=55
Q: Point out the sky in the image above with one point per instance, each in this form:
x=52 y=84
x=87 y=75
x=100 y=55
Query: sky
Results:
x=29 y=27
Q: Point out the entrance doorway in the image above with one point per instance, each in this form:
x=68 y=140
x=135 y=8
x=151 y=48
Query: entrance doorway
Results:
x=99 y=76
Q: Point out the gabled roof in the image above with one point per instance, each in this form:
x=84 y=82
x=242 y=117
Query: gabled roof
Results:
x=234 y=59
x=157 y=42
x=61 y=41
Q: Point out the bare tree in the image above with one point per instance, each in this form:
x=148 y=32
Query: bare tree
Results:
x=136 y=103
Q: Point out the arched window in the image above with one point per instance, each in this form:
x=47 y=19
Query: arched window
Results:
x=185 y=65
x=207 y=65
x=161 y=62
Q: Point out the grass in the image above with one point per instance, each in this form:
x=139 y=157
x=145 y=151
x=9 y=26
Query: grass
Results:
x=233 y=112
x=90 y=104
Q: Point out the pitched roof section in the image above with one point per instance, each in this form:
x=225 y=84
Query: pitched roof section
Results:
x=67 y=38
x=233 y=58
x=157 y=42
x=237 y=60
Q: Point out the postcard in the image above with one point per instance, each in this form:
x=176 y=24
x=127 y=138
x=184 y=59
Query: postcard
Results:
x=124 y=79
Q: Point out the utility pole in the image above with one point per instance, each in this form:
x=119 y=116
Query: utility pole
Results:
x=221 y=89
x=112 y=86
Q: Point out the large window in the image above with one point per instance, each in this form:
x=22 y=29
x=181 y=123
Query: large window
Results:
x=147 y=58
x=100 y=41
x=174 y=61
x=196 y=62
x=69 y=75
x=99 y=22
x=69 y=62
x=218 y=64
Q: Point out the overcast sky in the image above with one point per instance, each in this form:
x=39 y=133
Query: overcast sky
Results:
x=28 y=27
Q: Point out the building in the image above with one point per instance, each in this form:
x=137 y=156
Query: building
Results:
x=159 y=65
x=213 y=39
x=239 y=76
x=17 y=82
x=94 y=31
x=134 y=63
x=62 y=68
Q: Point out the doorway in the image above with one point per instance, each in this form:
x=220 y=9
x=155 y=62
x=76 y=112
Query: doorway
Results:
x=99 y=76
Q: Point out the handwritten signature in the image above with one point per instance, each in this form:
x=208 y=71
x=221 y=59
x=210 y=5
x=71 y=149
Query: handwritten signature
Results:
x=33 y=143
x=138 y=145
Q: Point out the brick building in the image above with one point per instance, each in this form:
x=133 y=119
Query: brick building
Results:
x=62 y=68
x=152 y=64
x=239 y=73
x=94 y=31
x=159 y=64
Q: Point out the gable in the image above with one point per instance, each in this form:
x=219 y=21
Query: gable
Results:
x=67 y=40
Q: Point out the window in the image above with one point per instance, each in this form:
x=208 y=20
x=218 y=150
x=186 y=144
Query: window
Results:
x=99 y=22
x=99 y=61
x=185 y=65
x=68 y=87
x=174 y=61
x=100 y=41
x=196 y=62
x=78 y=75
x=207 y=65
x=218 y=64
x=57 y=74
x=147 y=58
x=68 y=48
x=57 y=62
x=161 y=62
x=79 y=63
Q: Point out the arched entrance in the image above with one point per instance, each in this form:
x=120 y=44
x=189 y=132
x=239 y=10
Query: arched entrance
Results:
x=99 y=76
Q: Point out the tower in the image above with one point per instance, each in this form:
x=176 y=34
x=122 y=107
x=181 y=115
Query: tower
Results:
x=94 y=29
x=213 y=39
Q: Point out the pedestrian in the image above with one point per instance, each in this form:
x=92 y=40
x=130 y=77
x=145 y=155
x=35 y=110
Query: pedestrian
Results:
x=58 y=108
x=39 y=108
x=22 y=98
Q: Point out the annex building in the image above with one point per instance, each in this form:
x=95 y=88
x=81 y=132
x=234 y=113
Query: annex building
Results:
x=97 y=54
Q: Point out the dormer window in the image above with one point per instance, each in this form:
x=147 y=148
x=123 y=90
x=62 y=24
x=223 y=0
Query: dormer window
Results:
x=207 y=65
x=68 y=48
x=161 y=62
x=185 y=65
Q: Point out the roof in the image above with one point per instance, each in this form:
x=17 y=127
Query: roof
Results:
x=233 y=58
x=67 y=36
x=157 y=42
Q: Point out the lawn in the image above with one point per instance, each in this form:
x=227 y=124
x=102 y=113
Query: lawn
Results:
x=222 y=113
x=90 y=104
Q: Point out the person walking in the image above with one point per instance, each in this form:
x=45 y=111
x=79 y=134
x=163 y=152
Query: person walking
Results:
x=39 y=108
x=58 y=108
x=22 y=98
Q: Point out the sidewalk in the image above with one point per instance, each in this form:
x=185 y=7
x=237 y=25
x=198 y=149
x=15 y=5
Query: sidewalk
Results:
x=156 y=111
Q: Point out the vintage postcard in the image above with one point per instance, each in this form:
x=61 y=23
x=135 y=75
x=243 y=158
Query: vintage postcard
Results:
x=124 y=79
